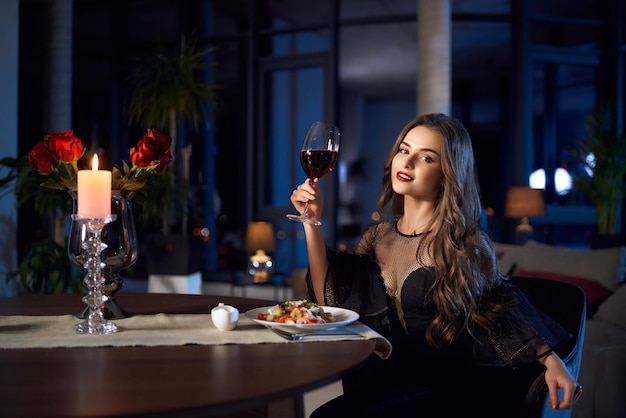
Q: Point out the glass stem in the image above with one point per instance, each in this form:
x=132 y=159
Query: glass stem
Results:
x=306 y=205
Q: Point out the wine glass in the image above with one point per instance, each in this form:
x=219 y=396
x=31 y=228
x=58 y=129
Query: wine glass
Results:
x=317 y=157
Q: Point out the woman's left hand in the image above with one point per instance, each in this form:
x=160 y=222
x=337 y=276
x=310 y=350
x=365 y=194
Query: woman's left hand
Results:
x=558 y=377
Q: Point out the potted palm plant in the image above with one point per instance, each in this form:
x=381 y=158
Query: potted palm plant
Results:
x=602 y=152
x=168 y=88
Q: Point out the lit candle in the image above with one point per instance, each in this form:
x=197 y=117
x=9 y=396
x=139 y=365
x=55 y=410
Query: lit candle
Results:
x=94 y=192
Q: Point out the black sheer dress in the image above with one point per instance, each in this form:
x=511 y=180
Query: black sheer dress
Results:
x=474 y=376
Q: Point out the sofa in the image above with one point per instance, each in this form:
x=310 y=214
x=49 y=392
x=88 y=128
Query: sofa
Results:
x=600 y=273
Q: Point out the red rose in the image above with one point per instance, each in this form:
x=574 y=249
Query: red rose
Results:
x=164 y=161
x=41 y=159
x=65 y=146
x=152 y=149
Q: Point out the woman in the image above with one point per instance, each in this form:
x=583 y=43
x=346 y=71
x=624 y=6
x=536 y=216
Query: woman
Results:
x=428 y=280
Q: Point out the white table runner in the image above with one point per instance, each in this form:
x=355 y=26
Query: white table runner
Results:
x=25 y=331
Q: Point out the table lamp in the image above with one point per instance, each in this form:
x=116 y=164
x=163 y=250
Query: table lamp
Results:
x=259 y=241
x=524 y=202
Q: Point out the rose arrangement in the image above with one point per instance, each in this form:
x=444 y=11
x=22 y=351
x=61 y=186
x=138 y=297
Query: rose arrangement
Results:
x=46 y=267
x=57 y=156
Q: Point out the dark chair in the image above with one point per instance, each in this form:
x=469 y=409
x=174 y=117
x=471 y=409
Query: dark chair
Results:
x=565 y=303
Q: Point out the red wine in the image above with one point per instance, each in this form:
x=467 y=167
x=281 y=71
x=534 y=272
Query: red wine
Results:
x=317 y=163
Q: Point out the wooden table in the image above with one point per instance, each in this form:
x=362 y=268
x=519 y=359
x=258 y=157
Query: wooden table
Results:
x=215 y=380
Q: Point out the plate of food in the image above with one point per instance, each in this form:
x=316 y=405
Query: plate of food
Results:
x=302 y=315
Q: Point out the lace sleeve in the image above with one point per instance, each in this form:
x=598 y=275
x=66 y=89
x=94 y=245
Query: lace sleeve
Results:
x=354 y=282
x=365 y=246
x=337 y=283
x=518 y=339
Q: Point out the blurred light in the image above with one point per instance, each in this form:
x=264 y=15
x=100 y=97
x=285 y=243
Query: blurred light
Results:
x=537 y=179
x=343 y=172
x=562 y=181
x=524 y=202
x=260 y=240
x=591 y=164
x=202 y=232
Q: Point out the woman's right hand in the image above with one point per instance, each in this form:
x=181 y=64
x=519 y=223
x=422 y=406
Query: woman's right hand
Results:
x=308 y=192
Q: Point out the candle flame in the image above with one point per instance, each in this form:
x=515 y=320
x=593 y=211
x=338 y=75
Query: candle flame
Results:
x=94 y=162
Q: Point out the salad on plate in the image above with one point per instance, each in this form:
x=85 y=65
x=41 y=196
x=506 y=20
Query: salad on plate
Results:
x=296 y=312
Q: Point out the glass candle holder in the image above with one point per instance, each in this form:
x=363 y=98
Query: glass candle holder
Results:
x=92 y=247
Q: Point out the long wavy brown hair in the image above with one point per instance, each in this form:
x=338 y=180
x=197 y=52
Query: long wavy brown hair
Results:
x=464 y=260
